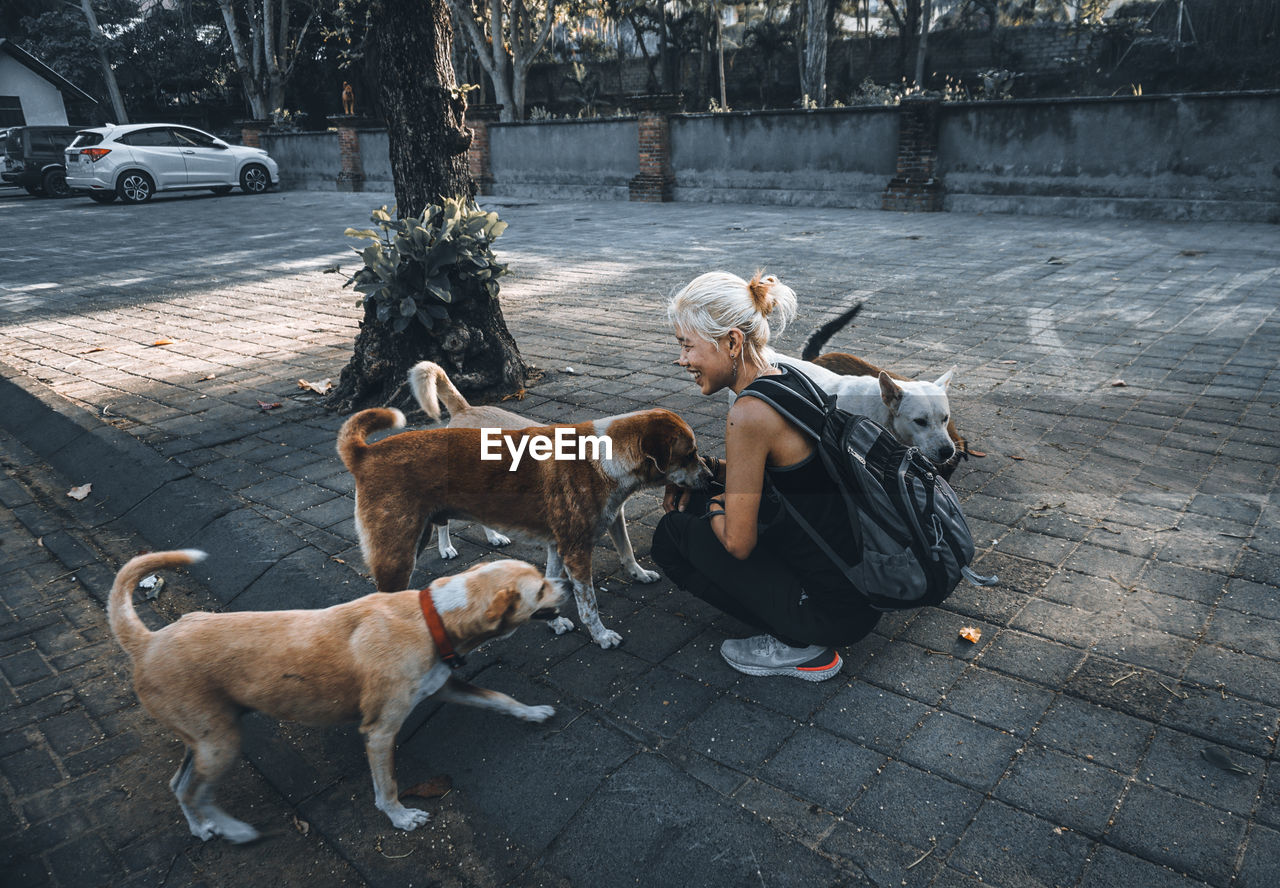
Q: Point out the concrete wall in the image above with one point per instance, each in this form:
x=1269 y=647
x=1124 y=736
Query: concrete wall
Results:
x=829 y=158
x=41 y=101
x=1172 y=157
x=308 y=161
x=564 y=158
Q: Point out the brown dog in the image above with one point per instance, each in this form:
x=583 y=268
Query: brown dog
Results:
x=431 y=387
x=371 y=660
x=408 y=482
x=851 y=365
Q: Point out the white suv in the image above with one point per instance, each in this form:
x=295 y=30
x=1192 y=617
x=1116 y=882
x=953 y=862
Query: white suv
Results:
x=134 y=162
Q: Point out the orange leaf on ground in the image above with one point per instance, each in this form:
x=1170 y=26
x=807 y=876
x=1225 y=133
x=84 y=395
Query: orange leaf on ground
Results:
x=431 y=789
x=162 y=342
x=971 y=634
x=79 y=493
x=320 y=388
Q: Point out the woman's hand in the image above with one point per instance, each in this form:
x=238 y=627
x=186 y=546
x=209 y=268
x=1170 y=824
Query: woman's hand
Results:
x=675 y=498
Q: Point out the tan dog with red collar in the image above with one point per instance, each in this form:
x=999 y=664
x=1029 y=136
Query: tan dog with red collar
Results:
x=371 y=660
x=408 y=482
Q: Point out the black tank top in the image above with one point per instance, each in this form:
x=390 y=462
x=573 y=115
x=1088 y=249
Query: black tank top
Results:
x=809 y=488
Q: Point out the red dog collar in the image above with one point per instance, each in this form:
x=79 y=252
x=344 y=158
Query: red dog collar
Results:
x=436 y=626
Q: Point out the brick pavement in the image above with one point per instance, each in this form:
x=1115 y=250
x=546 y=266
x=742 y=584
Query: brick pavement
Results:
x=1133 y=529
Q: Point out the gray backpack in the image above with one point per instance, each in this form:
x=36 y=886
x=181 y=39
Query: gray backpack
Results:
x=911 y=544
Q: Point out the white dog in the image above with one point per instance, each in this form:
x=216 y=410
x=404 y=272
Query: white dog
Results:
x=915 y=411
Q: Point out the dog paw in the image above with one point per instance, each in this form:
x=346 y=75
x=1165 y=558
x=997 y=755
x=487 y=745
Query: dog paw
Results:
x=640 y=575
x=408 y=819
x=448 y=552
x=608 y=639
x=561 y=625
x=537 y=713
x=496 y=539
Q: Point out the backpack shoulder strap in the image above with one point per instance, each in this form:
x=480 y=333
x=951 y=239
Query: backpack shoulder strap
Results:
x=801 y=411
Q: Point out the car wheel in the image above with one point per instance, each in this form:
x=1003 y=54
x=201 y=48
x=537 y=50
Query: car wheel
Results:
x=135 y=186
x=55 y=184
x=102 y=197
x=33 y=190
x=254 y=179
x=221 y=189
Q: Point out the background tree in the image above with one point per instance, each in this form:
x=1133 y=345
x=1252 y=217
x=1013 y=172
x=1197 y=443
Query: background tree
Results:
x=424 y=111
x=276 y=32
x=507 y=36
x=813 y=69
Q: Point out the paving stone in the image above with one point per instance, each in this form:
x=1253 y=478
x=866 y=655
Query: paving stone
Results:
x=1099 y=735
x=822 y=768
x=906 y=668
x=737 y=733
x=960 y=749
x=1178 y=833
x=871 y=716
x=1261 y=866
x=938 y=815
x=1009 y=847
x=664 y=703
x=1069 y=791
x=1110 y=868
x=649 y=817
x=1245 y=675
x=1006 y=704
x=1034 y=659
x=880 y=859
x=1175 y=762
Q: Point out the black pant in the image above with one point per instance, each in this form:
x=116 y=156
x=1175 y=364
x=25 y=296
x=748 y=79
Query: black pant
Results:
x=760 y=590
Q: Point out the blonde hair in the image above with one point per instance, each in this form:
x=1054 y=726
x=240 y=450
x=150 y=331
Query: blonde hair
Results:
x=714 y=303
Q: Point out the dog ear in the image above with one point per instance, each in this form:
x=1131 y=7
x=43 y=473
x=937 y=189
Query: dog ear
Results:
x=503 y=603
x=945 y=379
x=656 y=447
x=890 y=391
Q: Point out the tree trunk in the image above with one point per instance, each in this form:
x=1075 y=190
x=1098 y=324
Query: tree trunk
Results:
x=428 y=141
x=108 y=74
x=814 y=85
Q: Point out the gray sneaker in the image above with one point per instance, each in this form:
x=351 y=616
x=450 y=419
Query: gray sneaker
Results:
x=765 y=655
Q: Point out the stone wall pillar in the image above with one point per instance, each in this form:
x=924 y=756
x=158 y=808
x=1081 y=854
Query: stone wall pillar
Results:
x=916 y=188
x=478 y=118
x=655 y=182
x=351 y=175
x=251 y=132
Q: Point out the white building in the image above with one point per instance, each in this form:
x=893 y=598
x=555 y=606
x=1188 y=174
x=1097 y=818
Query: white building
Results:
x=31 y=93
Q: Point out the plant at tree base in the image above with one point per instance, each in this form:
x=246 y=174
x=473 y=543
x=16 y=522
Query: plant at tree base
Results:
x=414 y=268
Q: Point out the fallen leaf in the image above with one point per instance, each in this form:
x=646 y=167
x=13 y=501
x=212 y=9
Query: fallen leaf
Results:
x=431 y=789
x=92 y=350
x=971 y=634
x=301 y=825
x=264 y=406
x=1117 y=383
x=210 y=376
x=162 y=342
x=320 y=388
x=1018 y=458
x=1006 y=362
x=79 y=493
x=519 y=396
x=1216 y=755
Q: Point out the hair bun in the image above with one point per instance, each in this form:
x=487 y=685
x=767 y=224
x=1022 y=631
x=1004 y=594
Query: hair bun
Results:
x=759 y=287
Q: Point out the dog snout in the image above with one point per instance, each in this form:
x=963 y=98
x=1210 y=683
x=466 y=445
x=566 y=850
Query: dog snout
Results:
x=945 y=452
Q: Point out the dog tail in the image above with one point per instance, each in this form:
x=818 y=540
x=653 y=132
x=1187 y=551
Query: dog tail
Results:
x=352 y=435
x=130 y=631
x=818 y=338
x=432 y=386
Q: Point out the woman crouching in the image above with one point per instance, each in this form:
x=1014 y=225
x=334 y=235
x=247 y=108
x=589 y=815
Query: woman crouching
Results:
x=739 y=550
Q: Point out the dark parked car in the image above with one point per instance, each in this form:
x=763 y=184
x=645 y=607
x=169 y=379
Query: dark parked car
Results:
x=34 y=159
